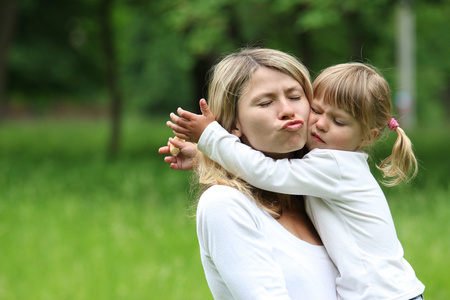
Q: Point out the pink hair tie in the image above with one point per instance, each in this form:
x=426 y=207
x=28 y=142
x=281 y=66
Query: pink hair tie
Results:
x=393 y=124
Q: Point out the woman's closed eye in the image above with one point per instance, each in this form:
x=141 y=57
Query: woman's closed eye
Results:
x=265 y=103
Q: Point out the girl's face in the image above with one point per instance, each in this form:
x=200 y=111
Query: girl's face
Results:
x=272 y=114
x=332 y=128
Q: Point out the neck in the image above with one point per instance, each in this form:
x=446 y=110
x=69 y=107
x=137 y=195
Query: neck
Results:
x=280 y=155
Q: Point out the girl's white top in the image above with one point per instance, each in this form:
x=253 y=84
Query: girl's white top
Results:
x=346 y=205
x=246 y=254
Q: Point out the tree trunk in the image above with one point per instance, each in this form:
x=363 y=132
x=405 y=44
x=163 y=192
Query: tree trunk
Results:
x=200 y=73
x=445 y=99
x=111 y=75
x=306 y=52
x=8 y=16
x=406 y=100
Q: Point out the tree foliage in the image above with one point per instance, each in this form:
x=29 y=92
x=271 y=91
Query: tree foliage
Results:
x=165 y=47
x=55 y=51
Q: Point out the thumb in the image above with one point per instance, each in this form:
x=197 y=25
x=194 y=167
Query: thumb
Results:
x=205 y=109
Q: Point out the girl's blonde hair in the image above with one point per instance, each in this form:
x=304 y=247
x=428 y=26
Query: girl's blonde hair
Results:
x=228 y=80
x=361 y=90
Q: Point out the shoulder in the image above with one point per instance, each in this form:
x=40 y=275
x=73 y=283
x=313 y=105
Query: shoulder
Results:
x=336 y=155
x=217 y=190
x=323 y=161
x=351 y=165
x=221 y=199
x=225 y=210
x=320 y=154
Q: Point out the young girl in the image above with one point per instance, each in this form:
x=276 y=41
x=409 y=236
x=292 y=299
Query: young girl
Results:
x=350 y=109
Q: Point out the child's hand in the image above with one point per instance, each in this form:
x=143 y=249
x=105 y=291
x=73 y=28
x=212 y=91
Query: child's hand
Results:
x=185 y=160
x=189 y=126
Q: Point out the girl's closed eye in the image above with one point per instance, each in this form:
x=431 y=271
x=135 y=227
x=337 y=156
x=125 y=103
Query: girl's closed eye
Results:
x=338 y=122
x=315 y=110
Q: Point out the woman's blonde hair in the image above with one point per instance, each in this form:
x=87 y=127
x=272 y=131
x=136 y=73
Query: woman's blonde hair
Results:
x=361 y=90
x=228 y=80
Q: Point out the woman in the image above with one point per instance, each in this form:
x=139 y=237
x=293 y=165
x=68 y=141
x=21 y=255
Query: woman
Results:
x=255 y=244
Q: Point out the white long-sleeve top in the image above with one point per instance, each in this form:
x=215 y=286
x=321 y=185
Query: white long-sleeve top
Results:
x=344 y=202
x=246 y=254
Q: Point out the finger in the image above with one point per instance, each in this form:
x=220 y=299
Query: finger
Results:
x=205 y=108
x=180 y=135
x=177 y=143
x=170 y=125
x=176 y=128
x=181 y=122
x=164 y=150
x=174 y=166
x=186 y=114
x=176 y=119
x=170 y=159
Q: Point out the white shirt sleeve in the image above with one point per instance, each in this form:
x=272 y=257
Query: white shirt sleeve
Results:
x=236 y=256
x=317 y=174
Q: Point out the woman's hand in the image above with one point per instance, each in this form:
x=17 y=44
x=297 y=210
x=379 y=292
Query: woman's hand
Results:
x=189 y=126
x=185 y=160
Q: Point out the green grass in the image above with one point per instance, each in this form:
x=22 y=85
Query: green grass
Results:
x=75 y=225
x=422 y=218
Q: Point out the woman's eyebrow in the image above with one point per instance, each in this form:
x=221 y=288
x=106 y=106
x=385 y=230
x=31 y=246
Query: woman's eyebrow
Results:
x=294 y=88
x=271 y=94
x=263 y=95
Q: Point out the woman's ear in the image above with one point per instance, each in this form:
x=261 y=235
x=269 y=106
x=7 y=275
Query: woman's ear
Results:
x=236 y=129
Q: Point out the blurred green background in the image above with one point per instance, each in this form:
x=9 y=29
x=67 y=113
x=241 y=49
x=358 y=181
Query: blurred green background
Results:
x=88 y=208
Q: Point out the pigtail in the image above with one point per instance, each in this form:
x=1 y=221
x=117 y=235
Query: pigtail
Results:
x=401 y=165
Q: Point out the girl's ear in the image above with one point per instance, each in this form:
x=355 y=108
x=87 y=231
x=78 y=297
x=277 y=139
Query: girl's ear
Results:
x=236 y=129
x=370 y=138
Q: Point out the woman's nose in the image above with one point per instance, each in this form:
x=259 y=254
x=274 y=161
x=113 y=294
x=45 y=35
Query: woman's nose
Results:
x=287 y=111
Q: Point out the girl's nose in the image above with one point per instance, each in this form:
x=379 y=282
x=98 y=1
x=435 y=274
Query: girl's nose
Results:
x=321 y=123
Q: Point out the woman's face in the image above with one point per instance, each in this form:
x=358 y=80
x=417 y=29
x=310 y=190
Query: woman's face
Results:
x=272 y=114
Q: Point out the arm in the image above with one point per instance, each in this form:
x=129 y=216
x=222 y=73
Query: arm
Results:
x=316 y=175
x=190 y=126
x=185 y=160
x=236 y=256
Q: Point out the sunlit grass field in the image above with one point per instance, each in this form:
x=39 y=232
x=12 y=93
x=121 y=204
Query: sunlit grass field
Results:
x=77 y=225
